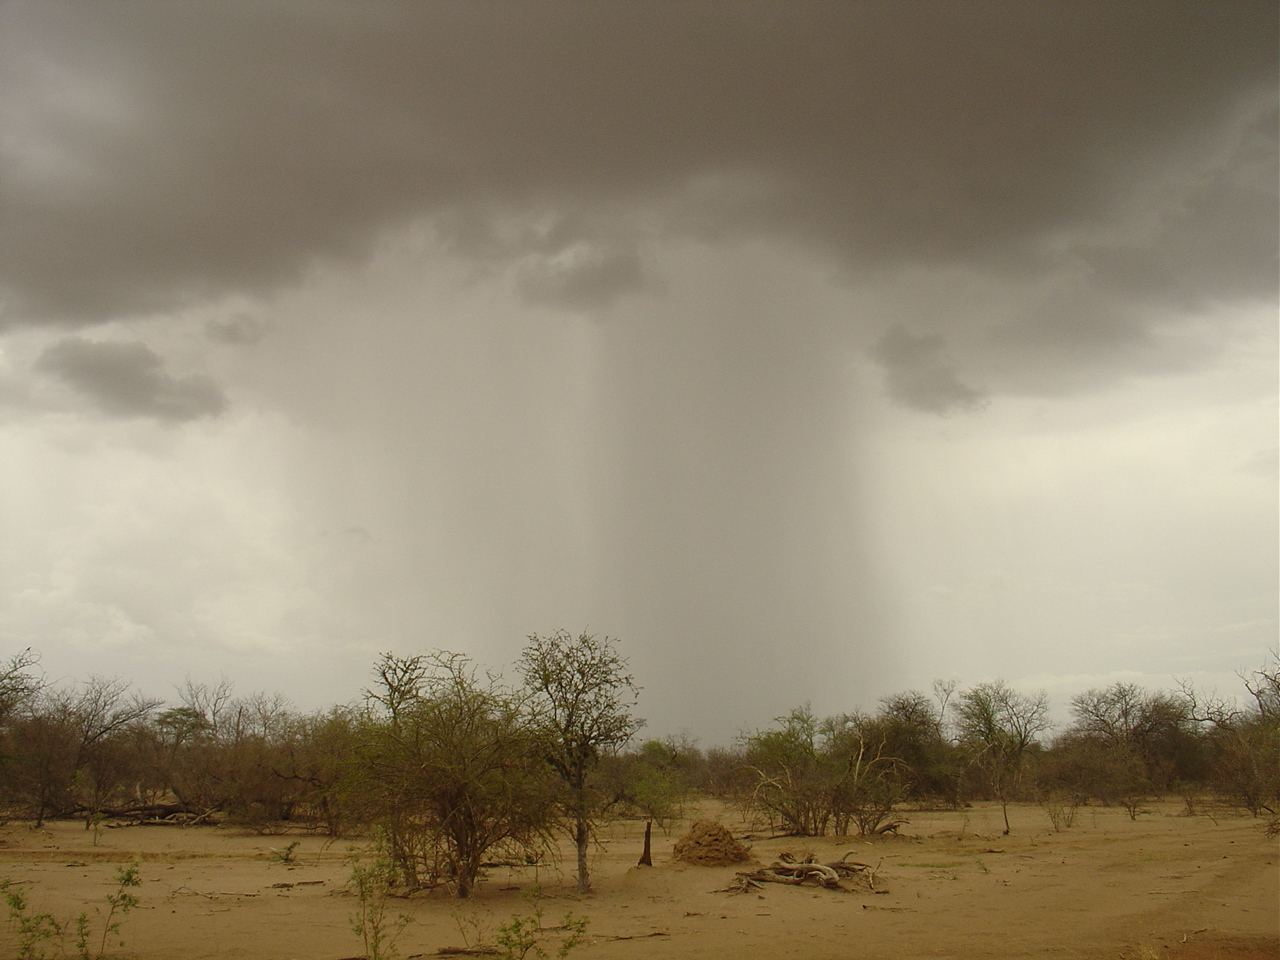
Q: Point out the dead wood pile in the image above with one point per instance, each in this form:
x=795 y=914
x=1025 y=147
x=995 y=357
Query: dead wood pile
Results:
x=710 y=844
x=791 y=871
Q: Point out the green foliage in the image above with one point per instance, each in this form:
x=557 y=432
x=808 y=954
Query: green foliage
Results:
x=791 y=781
x=812 y=775
x=911 y=727
x=525 y=936
x=37 y=933
x=450 y=763
x=370 y=922
x=32 y=930
x=653 y=781
x=286 y=855
x=450 y=771
x=121 y=902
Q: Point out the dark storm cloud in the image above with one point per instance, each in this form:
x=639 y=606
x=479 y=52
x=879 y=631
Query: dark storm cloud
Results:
x=127 y=380
x=582 y=278
x=920 y=374
x=562 y=260
x=160 y=153
x=235 y=331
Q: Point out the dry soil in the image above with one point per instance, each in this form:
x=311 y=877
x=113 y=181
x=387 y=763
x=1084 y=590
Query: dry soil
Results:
x=952 y=885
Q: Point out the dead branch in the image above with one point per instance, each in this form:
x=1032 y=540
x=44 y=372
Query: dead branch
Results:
x=787 y=869
x=742 y=883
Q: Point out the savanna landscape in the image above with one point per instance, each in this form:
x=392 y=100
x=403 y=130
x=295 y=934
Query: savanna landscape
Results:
x=815 y=348
x=451 y=814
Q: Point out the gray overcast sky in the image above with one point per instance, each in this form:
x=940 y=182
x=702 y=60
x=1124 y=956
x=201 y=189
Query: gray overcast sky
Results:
x=812 y=350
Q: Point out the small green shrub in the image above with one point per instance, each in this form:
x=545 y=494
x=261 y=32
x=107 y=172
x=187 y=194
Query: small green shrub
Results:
x=39 y=933
x=370 y=922
x=286 y=855
x=523 y=936
x=33 y=930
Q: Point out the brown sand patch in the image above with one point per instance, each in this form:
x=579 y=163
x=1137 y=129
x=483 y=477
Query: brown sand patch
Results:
x=1208 y=945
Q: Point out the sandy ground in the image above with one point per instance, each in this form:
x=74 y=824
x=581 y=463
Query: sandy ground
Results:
x=952 y=886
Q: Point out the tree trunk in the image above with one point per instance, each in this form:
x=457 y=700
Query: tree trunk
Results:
x=1004 y=809
x=582 y=835
x=646 y=858
x=468 y=871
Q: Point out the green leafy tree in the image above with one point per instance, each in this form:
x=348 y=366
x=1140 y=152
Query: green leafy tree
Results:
x=522 y=937
x=452 y=771
x=911 y=725
x=793 y=783
x=651 y=781
x=813 y=775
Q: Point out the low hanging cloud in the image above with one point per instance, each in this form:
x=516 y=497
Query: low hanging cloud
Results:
x=919 y=373
x=581 y=277
x=237 y=331
x=128 y=380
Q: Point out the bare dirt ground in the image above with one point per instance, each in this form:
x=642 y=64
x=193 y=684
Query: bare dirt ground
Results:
x=952 y=886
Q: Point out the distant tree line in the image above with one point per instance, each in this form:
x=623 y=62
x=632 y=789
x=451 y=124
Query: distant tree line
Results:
x=449 y=767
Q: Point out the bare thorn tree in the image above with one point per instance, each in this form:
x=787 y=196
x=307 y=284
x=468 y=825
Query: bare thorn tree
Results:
x=1000 y=725
x=18 y=682
x=581 y=695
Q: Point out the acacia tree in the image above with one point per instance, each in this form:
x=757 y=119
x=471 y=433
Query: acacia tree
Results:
x=17 y=683
x=811 y=774
x=912 y=728
x=793 y=782
x=18 y=687
x=454 y=772
x=1244 y=743
x=999 y=725
x=581 y=695
x=652 y=780
x=65 y=748
x=1127 y=743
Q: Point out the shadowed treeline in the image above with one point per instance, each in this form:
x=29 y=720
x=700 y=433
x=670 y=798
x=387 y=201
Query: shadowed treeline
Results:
x=447 y=766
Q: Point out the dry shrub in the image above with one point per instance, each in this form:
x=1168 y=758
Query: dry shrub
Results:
x=710 y=844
